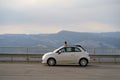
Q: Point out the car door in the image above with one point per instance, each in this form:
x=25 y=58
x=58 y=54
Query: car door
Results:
x=65 y=56
x=77 y=54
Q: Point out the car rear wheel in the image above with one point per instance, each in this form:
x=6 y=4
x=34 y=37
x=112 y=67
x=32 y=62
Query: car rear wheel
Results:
x=83 y=62
x=51 y=62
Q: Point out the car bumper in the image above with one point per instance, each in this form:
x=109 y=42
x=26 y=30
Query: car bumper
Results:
x=44 y=61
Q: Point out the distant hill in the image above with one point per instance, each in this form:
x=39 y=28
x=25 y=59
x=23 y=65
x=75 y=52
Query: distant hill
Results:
x=89 y=40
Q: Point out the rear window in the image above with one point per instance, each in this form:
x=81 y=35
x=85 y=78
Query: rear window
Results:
x=77 y=50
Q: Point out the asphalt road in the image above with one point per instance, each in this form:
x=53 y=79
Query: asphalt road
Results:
x=37 y=71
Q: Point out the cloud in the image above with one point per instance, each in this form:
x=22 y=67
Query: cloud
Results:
x=28 y=29
x=51 y=13
x=92 y=27
x=37 y=29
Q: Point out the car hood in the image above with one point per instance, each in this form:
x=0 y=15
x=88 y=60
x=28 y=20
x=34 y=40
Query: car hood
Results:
x=49 y=53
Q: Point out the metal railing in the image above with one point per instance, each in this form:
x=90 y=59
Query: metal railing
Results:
x=37 y=58
x=105 y=58
x=20 y=57
x=25 y=50
x=29 y=54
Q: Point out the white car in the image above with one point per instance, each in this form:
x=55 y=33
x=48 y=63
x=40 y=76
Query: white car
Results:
x=67 y=55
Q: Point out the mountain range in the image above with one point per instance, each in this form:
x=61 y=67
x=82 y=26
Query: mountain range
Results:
x=88 y=40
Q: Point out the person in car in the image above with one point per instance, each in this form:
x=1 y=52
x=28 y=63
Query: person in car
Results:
x=65 y=43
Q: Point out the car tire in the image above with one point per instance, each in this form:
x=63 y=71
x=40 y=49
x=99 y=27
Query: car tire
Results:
x=83 y=62
x=51 y=62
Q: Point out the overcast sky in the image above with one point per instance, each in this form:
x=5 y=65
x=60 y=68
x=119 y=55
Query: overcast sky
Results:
x=51 y=16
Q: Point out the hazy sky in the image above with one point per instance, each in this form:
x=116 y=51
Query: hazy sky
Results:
x=51 y=16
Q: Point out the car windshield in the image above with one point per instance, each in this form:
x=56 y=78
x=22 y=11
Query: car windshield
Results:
x=58 y=49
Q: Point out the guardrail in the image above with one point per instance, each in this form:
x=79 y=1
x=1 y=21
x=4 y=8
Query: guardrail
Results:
x=37 y=58
x=105 y=58
x=25 y=50
x=29 y=54
x=41 y=50
x=20 y=57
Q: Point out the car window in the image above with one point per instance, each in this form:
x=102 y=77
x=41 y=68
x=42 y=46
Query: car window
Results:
x=66 y=49
x=77 y=50
x=70 y=49
x=63 y=50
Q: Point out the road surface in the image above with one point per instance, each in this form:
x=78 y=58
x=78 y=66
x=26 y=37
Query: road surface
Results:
x=37 y=71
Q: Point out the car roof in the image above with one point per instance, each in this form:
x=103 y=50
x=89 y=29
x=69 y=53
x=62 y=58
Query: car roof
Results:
x=73 y=46
x=69 y=46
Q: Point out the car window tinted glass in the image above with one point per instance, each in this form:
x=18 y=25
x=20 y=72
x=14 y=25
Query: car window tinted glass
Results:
x=70 y=49
x=77 y=50
x=63 y=50
x=66 y=49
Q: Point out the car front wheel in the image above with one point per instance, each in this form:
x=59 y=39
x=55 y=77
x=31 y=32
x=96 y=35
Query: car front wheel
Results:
x=83 y=62
x=51 y=62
